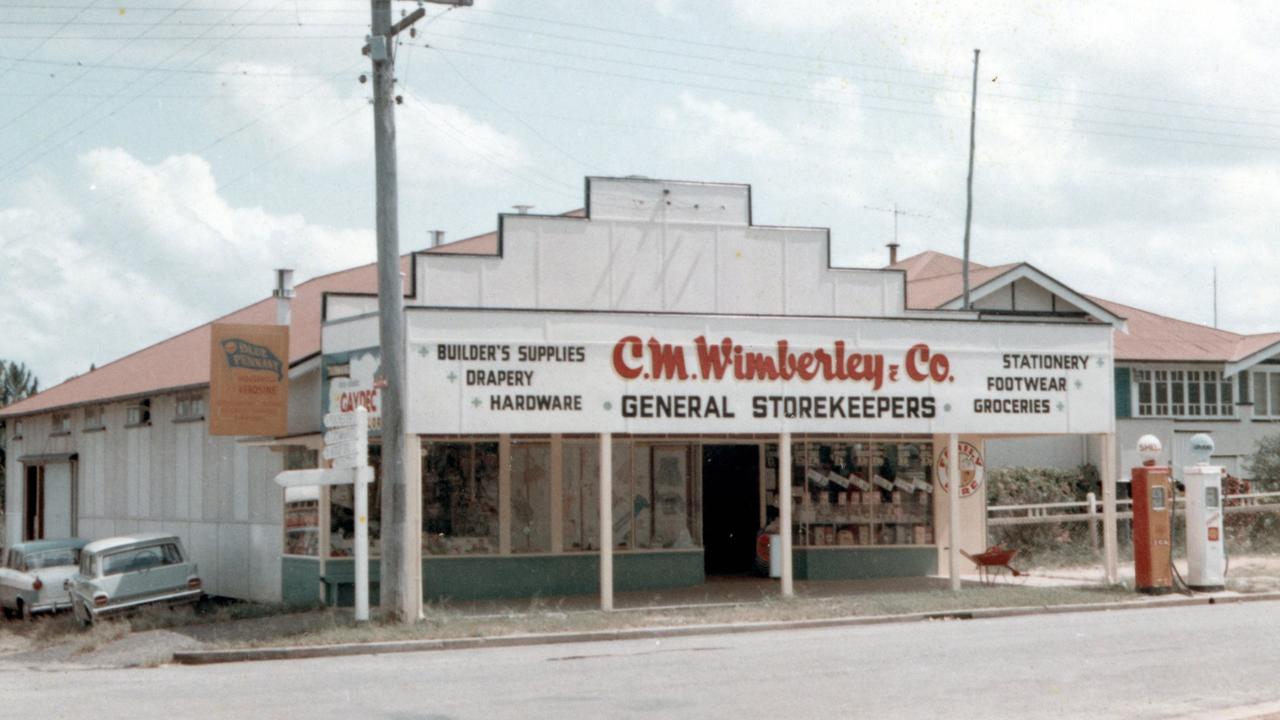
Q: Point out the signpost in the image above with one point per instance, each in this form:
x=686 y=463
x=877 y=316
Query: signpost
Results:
x=346 y=445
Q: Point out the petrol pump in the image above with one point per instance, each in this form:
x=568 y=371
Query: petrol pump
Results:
x=1152 y=491
x=1206 y=551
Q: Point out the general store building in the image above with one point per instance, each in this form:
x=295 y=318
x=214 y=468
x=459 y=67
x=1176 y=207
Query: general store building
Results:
x=658 y=348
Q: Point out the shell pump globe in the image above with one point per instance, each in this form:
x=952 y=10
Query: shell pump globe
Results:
x=1149 y=448
x=1201 y=448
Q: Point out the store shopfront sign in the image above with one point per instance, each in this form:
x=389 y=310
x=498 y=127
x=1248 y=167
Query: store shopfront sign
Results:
x=350 y=383
x=472 y=371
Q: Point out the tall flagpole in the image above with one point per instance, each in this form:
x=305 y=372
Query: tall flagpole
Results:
x=968 y=210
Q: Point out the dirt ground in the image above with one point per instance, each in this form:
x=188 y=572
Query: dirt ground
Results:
x=1245 y=573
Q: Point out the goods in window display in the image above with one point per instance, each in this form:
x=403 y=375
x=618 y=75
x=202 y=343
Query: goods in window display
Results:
x=670 y=488
x=460 y=498
x=857 y=481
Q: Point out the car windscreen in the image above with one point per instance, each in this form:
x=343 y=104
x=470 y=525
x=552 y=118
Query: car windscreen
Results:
x=51 y=558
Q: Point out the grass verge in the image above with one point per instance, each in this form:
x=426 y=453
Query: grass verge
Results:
x=442 y=622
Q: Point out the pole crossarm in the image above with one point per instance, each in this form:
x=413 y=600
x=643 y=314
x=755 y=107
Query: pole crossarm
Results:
x=399 y=27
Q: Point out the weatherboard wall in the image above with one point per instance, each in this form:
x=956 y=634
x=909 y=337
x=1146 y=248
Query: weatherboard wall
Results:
x=169 y=475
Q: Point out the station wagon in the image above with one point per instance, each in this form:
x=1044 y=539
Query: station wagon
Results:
x=124 y=573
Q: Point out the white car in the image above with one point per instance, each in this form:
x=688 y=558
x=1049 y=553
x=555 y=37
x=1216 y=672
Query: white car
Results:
x=33 y=574
x=124 y=573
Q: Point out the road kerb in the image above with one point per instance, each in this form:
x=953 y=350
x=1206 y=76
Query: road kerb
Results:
x=299 y=652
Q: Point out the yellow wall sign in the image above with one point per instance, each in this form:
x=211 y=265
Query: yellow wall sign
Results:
x=249 y=380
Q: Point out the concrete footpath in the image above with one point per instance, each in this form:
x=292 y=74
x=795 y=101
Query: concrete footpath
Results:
x=203 y=657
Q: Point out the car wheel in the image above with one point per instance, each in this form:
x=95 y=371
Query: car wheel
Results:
x=24 y=610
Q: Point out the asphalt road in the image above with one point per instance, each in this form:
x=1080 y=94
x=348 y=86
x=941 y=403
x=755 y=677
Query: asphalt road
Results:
x=1196 y=661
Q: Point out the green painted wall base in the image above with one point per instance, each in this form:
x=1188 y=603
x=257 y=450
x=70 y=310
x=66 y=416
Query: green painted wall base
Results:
x=300 y=580
x=487 y=577
x=863 y=563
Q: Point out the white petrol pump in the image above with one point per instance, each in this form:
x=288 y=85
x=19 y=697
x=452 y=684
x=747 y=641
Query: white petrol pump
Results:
x=1206 y=541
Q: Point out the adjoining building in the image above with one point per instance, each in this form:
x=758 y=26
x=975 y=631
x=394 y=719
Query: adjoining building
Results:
x=1173 y=378
x=720 y=372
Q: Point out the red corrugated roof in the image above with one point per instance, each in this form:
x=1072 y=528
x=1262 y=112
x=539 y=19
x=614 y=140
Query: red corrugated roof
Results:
x=933 y=279
x=934 y=292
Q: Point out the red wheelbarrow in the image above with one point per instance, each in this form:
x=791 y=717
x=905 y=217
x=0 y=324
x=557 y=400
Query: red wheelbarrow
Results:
x=993 y=563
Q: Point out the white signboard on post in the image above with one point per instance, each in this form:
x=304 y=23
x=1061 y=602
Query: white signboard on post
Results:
x=347 y=448
x=472 y=371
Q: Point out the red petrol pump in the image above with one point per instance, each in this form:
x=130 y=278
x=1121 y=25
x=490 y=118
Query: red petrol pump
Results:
x=1152 y=491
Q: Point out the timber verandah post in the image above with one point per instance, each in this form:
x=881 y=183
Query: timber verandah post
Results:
x=953 y=509
x=606 y=521
x=784 y=512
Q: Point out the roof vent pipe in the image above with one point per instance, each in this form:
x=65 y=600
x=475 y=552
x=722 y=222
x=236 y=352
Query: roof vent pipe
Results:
x=283 y=293
x=437 y=238
x=893 y=253
x=523 y=209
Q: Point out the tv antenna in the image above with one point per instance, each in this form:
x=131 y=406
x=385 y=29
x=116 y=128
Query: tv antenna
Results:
x=893 y=246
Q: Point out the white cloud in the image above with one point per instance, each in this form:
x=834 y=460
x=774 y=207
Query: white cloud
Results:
x=149 y=251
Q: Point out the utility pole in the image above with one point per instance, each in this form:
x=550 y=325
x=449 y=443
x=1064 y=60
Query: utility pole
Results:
x=968 y=209
x=400 y=586
x=397 y=601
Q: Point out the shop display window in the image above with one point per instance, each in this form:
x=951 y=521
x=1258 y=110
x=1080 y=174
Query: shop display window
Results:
x=530 y=497
x=460 y=497
x=301 y=507
x=342 y=512
x=851 y=493
x=652 y=499
x=579 y=495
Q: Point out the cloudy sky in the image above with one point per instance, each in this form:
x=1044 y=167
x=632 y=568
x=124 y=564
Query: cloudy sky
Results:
x=159 y=157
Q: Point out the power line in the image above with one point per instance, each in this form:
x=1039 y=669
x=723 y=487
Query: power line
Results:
x=180 y=71
x=60 y=28
x=514 y=115
x=804 y=58
x=186 y=23
x=864 y=106
x=343 y=8
x=534 y=174
x=218 y=38
x=701 y=73
x=112 y=54
x=696 y=86
x=926 y=102
x=10 y=163
x=698 y=43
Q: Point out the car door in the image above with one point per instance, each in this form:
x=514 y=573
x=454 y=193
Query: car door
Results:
x=8 y=581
